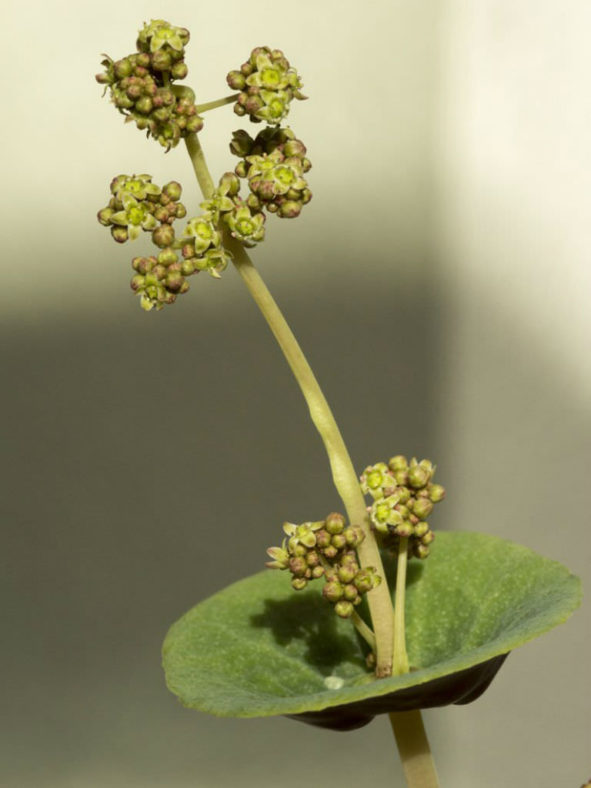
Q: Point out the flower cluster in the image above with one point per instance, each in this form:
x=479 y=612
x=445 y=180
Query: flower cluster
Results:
x=326 y=549
x=274 y=163
x=246 y=223
x=404 y=496
x=159 y=279
x=137 y=204
x=267 y=85
x=140 y=88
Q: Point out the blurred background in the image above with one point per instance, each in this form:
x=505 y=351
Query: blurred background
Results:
x=438 y=283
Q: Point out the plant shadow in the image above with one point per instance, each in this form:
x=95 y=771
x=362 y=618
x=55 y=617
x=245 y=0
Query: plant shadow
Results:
x=307 y=617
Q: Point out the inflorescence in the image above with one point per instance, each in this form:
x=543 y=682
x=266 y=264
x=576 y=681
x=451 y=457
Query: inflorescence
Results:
x=272 y=164
x=326 y=548
x=141 y=84
x=267 y=85
x=403 y=497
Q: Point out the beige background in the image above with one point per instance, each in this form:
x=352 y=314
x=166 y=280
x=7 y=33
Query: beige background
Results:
x=439 y=282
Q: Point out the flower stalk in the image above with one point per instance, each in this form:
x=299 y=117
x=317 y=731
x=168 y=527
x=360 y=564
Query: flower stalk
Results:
x=343 y=472
x=217 y=103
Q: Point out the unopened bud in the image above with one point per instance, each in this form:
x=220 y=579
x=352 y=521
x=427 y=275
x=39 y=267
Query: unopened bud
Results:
x=398 y=463
x=179 y=70
x=422 y=508
x=436 y=492
x=343 y=609
x=333 y=591
x=173 y=189
x=119 y=234
x=236 y=80
x=418 y=477
x=335 y=523
x=163 y=235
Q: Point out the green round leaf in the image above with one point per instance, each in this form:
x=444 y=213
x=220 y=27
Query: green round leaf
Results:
x=258 y=648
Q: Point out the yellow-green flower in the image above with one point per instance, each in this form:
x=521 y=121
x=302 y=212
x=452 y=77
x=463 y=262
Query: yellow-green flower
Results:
x=159 y=33
x=276 y=105
x=135 y=217
x=269 y=74
x=246 y=226
x=138 y=186
x=203 y=230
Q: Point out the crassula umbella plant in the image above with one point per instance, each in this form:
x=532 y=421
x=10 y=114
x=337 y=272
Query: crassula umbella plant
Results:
x=356 y=622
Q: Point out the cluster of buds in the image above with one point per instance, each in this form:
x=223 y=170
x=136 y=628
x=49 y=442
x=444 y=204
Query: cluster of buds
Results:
x=137 y=204
x=326 y=548
x=139 y=84
x=267 y=85
x=159 y=279
x=403 y=497
x=274 y=163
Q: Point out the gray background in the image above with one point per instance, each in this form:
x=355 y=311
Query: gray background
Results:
x=438 y=284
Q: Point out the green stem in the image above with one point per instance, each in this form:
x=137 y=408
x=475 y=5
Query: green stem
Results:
x=201 y=108
x=400 y=656
x=343 y=472
x=413 y=746
x=364 y=630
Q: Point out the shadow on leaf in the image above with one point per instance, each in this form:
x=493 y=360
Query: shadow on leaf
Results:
x=308 y=618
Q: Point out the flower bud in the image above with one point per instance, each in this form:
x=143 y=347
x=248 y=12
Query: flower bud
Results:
x=421 y=529
x=323 y=538
x=173 y=189
x=299 y=583
x=436 y=492
x=422 y=508
x=420 y=550
x=398 y=463
x=350 y=592
x=119 y=234
x=174 y=281
x=188 y=267
x=343 y=609
x=241 y=144
x=289 y=209
x=229 y=184
x=236 y=80
x=335 y=523
x=137 y=282
x=104 y=216
x=418 y=476
x=339 y=541
x=298 y=566
x=163 y=235
x=333 y=591
x=179 y=70
x=194 y=124
x=346 y=573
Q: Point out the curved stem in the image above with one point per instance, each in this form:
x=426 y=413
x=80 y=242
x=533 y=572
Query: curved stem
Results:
x=218 y=103
x=343 y=472
x=400 y=656
x=413 y=746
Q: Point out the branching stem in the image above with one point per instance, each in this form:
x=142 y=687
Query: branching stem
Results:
x=343 y=472
x=201 y=108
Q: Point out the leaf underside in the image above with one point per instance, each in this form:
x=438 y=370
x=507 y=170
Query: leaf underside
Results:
x=258 y=648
